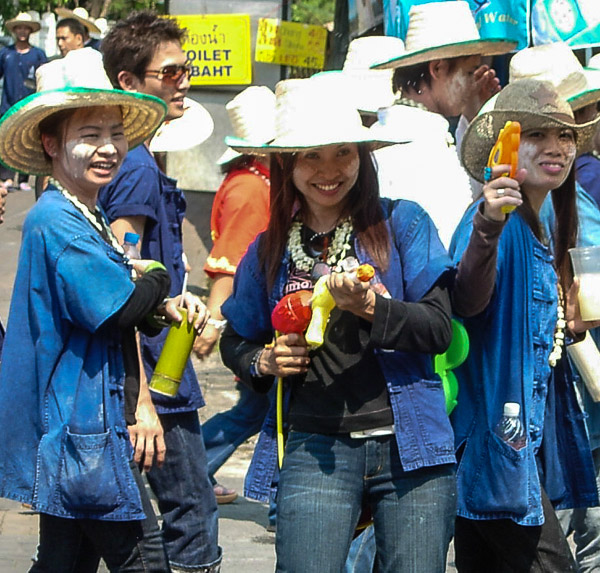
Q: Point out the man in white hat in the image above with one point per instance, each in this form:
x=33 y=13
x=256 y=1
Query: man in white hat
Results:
x=143 y=54
x=438 y=75
x=18 y=63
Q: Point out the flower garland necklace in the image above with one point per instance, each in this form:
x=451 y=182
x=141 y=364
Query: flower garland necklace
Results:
x=96 y=218
x=336 y=252
x=559 y=333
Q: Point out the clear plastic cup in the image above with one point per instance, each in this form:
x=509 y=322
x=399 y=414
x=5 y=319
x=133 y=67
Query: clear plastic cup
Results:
x=586 y=266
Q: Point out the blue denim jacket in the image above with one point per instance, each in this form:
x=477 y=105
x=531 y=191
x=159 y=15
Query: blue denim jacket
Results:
x=510 y=344
x=65 y=448
x=417 y=260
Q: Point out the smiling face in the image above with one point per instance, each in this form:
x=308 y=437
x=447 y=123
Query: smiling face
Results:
x=548 y=156
x=22 y=32
x=89 y=149
x=325 y=176
x=167 y=53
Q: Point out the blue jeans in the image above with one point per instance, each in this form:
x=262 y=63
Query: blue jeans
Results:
x=185 y=495
x=324 y=482
x=76 y=545
x=226 y=431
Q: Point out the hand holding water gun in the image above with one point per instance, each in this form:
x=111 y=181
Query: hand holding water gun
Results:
x=348 y=290
x=502 y=178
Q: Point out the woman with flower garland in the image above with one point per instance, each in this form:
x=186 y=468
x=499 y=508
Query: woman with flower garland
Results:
x=70 y=355
x=507 y=489
x=365 y=412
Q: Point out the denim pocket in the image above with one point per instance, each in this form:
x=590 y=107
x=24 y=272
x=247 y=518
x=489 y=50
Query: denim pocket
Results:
x=88 y=474
x=496 y=480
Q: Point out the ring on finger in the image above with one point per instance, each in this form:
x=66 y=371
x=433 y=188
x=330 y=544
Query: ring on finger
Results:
x=500 y=192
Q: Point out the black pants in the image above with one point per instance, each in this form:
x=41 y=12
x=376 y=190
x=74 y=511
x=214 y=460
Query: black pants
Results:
x=503 y=546
x=76 y=545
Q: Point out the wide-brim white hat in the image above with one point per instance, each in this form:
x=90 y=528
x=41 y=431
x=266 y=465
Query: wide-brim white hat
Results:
x=194 y=127
x=23 y=19
x=81 y=15
x=535 y=104
x=76 y=81
x=441 y=30
x=252 y=117
x=306 y=117
x=557 y=64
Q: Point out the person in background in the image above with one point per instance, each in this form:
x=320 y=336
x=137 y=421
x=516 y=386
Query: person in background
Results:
x=439 y=76
x=18 y=64
x=346 y=447
x=3 y=194
x=70 y=34
x=143 y=54
x=70 y=340
x=240 y=212
x=506 y=487
x=89 y=27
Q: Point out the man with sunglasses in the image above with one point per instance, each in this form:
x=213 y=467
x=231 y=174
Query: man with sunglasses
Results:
x=143 y=53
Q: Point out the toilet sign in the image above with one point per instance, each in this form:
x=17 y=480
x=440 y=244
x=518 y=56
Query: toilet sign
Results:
x=218 y=48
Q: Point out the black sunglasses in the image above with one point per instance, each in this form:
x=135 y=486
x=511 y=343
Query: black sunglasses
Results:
x=172 y=73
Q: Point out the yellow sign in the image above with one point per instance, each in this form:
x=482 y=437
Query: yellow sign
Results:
x=219 y=49
x=290 y=44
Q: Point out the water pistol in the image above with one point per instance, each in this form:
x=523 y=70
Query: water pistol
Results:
x=322 y=304
x=506 y=151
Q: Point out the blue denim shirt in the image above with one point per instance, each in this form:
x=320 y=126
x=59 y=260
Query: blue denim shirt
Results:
x=508 y=362
x=65 y=448
x=142 y=189
x=417 y=260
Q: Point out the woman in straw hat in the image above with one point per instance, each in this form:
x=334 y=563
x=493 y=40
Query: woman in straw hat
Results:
x=366 y=420
x=507 y=489
x=70 y=341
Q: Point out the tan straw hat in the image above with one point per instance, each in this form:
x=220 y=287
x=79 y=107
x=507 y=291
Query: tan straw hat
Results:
x=534 y=104
x=443 y=30
x=557 y=64
x=306 y=116
x=78 y=80
x=81 y=15
x=23 y=19
x=252 y=116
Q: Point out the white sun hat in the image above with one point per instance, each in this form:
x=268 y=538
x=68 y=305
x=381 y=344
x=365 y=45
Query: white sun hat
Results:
x=194 y=127
x=555 y=63
x=444 y=30
x=306 y=117
x=76 y=81
x=81 y=15
x=252 y=116
x=23 y=19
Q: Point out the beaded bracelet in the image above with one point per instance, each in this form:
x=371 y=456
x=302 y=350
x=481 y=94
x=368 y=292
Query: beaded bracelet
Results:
x=254 y=364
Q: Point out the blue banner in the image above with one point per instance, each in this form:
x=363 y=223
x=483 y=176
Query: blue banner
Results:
x=576 y=22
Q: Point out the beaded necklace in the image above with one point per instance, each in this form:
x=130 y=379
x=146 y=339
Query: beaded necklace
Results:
x=559 y=333
x=336 y=252
x=96 y=218
x=256 y=172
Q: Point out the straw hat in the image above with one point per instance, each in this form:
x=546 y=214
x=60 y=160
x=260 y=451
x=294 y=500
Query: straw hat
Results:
x=307 y=117
x=78 y=80
x=444 y=30
x=194 y=127
x=534 y=104
x=23 y=19
x=81 y=15
x=557 y=64
x=252 y=116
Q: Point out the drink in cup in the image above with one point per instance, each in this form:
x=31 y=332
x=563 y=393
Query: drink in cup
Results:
x=586 y=265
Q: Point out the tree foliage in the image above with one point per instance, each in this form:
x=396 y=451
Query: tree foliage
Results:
x=318 y=12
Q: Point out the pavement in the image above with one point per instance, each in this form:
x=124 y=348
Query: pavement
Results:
x=242 y=535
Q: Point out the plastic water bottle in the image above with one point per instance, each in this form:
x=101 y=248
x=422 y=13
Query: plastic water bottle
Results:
x=509 y=427
x=130 y=246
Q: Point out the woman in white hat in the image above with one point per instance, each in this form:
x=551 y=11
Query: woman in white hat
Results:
x=366 y=420
x=240 y=212
x=439 y=75
x=509 y=483
x=70 y=343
